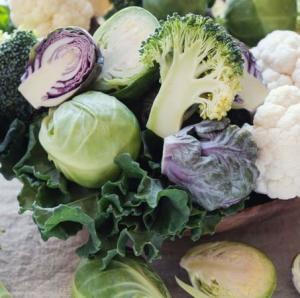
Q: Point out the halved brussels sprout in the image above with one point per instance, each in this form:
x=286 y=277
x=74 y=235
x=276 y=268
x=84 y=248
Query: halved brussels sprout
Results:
x=296 y=273
x=3 y=292
x=229 y=270
x=124 y=277
x=120 y=39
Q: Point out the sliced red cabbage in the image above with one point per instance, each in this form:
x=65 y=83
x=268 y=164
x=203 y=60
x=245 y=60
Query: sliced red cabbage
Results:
x=64 y=62
x=214 y=160
x=253 y=91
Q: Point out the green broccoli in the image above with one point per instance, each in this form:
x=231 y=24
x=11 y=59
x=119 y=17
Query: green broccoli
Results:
x=14 y=54
x=200 y=63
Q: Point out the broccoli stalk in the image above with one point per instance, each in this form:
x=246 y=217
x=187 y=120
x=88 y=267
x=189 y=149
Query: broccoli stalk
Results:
x=199 y=64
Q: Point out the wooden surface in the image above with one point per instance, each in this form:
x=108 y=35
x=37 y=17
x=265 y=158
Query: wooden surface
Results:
x=31 y=268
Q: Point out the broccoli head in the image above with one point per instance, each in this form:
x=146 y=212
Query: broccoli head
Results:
x=14 y=54
x=200 y=64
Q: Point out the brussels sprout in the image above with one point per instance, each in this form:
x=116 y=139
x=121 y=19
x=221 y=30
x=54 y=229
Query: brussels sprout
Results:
x=62 y=64
x=214 y=160
x=3 y=292
x=296 y=272
x=229 y=270
x=84 y=136
x=162 y=8
x=252 y=20
x=124 y=277
x=120 y=39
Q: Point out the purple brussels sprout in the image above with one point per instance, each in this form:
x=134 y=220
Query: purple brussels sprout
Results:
x=253 y=91
x=61 y=64
x=214 y=161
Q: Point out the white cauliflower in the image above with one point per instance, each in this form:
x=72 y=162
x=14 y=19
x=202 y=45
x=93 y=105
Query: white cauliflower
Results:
x=278 y=57
x=44 y=16
x=276 y=131
x=101 y=7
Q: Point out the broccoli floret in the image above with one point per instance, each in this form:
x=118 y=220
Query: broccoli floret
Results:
x=14 y=54
x=200 y=63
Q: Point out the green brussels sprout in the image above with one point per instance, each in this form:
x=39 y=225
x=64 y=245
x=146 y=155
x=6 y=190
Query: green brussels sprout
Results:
x=119 y=38
x=84 y=135
x=229 y=270
x=3 y=292
x=162 y=8
x=124 y=277
x=251 y=20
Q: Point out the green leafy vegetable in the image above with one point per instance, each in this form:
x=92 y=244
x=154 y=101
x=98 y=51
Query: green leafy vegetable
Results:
x=200 y=64
x=124 y=277
x=246 y=272
x=138 y=210
x=13 y=143
x=251 y=20
x=162 y=8
x=3 y=292
x=85 y=134
x=120 y=39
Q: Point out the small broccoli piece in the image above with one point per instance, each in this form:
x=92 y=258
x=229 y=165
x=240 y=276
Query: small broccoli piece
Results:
x=14 y=54
x=200 y=63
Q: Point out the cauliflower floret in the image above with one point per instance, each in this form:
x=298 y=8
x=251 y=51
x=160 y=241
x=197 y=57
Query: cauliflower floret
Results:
x=278 y=57
x=276 y=131
x=101 y=7
x=44 y=16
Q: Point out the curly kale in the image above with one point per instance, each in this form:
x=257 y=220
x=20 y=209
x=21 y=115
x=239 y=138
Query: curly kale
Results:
x=14 y=54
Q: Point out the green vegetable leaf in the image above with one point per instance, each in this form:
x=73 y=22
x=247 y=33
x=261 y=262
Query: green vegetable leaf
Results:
x=12 y=147
x=57 y=221
x=36 y=163
x=139 y=210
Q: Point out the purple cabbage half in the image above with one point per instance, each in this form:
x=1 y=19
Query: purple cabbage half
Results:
x=253 y=91
x=60 y=65
x=214 y=161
